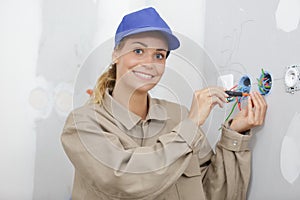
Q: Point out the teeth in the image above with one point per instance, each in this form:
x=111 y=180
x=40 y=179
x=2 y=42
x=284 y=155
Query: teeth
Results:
x=145 y=76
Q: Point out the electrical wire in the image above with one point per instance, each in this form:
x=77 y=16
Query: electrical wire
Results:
x=243 y=86
x=264 y=85
x=229 y=99
x=237 y=100
x=264 y=82
x=232 y=109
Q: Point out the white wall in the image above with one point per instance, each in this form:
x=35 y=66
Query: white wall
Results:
x=242 y=37
x=19 y=39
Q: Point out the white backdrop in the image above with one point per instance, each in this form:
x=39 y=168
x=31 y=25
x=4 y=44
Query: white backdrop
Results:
x=19 y=39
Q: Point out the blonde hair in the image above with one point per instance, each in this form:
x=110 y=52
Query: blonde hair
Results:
x=106 y=81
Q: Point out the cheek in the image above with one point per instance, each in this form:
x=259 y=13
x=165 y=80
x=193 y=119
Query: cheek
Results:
x=127 y=64
x=123 y=66
x=160 y=70
x=131 y=63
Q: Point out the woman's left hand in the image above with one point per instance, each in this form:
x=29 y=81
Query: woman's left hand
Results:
x=251 y=116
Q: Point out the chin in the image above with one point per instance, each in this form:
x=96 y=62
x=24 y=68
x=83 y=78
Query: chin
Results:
x=146 y=87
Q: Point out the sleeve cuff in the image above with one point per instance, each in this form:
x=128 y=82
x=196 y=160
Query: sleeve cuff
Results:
x=234 y=141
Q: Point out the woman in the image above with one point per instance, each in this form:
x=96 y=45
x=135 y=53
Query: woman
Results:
x=126 y=145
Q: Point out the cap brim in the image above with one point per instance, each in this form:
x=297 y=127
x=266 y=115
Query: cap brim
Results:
x=173 y=42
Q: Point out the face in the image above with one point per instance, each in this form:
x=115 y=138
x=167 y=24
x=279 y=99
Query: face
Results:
x=141 y=61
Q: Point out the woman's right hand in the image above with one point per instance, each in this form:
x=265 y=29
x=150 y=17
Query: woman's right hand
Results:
x=204 y=101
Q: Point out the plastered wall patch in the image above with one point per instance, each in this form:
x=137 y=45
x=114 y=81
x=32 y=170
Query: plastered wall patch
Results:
x=290 y=151
x=63 y=94
x=288 y=15
x=40 y=98
x=44 y=98
x=225 y=81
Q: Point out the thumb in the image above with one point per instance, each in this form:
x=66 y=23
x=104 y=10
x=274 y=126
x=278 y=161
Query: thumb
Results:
x=249 y=109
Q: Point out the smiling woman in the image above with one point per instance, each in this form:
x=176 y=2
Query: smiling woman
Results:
x=124 y=144
x=140 y=65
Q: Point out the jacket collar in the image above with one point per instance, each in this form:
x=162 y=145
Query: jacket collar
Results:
x=129 y=119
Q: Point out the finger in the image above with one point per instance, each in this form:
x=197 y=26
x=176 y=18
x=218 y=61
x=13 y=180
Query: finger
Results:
x=245 y=110
x=218 y=92
x=260 y=109
x=262 y=100
x=250 y=110
x=216 y=100
x=257 y=108
x=258 y=98
x=263 y=105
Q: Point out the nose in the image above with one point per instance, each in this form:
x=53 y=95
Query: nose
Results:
x=149 y=57
x=148 y=65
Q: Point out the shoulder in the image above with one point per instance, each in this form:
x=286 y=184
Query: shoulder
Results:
x=172 y=108
x=167 y=103
x=86 y=112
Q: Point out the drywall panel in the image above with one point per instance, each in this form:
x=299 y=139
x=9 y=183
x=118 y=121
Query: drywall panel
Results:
x=242 y=37
x=20 y=30
x=67 y=35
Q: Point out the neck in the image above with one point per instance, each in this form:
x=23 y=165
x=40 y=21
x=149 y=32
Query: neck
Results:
x=136 y=102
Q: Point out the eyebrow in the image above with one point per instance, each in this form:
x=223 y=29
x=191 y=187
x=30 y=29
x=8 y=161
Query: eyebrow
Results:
x=145 y=45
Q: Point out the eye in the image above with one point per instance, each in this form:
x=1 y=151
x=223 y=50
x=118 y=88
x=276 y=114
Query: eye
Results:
x=160 y=56
x=138 y=51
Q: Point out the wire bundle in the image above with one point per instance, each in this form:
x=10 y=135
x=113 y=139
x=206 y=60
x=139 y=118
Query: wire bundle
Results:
x=264 y=87
x=244 y=86
x=237 y=101
x=264 y=82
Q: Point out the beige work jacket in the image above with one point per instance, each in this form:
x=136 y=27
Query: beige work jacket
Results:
x=117 y=155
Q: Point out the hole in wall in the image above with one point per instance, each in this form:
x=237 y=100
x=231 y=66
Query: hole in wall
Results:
x=264 y=83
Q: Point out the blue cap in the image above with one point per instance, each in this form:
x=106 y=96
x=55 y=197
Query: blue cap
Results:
x=145 y=20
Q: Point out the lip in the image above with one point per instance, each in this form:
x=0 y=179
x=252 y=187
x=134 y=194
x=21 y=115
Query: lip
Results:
x=143 y=75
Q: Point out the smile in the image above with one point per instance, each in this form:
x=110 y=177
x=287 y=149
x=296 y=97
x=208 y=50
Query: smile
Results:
x=143 y=76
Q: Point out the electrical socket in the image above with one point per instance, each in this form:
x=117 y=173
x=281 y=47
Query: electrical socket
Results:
x=292 y=79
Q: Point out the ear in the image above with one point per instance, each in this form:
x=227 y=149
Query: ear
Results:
x=115 y=56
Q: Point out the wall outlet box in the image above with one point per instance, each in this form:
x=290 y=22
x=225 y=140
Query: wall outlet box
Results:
x=292 y=79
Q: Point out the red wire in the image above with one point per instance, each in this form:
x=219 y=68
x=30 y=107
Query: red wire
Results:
x=233 y=87
x=239 y=103
x=239 y=106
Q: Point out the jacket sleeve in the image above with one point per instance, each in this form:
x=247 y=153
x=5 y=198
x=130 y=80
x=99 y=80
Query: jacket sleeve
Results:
x=127 y=171
x=226 y=173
